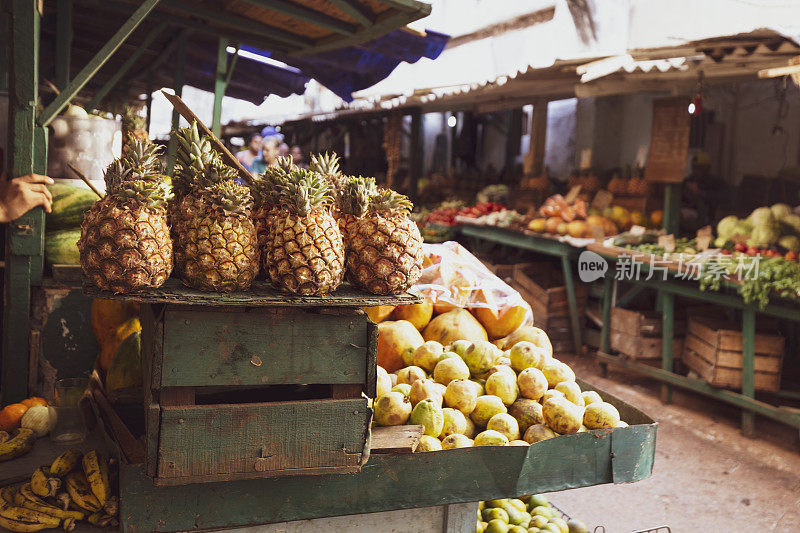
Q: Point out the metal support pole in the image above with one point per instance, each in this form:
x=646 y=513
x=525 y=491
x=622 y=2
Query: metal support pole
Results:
x=748 y=367
x=667 y=340
x=672 y=199
x=180 y=63
x=24 y=236
x=63 y=42
x=219 y=86
x=149 y=103
x=605 y=318
x=415 y=153
x=569 y=284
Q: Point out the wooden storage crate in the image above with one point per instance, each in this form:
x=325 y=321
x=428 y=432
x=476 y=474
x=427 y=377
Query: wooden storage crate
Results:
x=637 y=334
x=713 y=349
x=239 y=393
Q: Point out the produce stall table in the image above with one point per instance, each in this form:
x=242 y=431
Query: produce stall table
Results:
x=216 y=487
x=669 y=286
x=541 y=244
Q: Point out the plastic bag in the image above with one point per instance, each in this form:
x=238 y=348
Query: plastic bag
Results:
x=453 y=277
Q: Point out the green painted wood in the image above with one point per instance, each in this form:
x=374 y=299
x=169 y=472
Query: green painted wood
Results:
x=667 y=339
x=221 y=17
x=748 y=367
x=96 y=62
x=536 y=243
x=574 y=314
x=4 y=49
x=376 y=30
x=406 y=5
x=177 y=86
x=149 y=103
x=288 y=346
x=21 y=234
x=125 y=67
x=672 y=205
x=605 y=331
x=355 y=10
x=301 y=12
x=63 y=42
x=219 y=86
x=261 y=294
x=629 y=296
x=394 y=481
x=230 y=441
x=698 y=385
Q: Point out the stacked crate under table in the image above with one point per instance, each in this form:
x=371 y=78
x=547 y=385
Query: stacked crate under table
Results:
x=256 y=412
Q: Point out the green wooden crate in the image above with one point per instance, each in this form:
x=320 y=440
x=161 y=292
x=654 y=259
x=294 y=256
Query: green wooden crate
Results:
x=199 y=361
x=395 y=481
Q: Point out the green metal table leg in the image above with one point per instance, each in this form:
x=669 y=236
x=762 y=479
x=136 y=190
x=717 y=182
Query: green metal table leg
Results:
x=668 y=332
x=605 y=331
x=748 y=367
x=569 y=284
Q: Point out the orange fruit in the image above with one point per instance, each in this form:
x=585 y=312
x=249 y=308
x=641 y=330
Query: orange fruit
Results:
x=10 y=416
x=34 y=400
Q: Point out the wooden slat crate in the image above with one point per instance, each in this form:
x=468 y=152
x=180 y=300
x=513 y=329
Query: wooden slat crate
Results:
x=713 y=349
x=637 y=347
x=637 y=334
x=238 y=393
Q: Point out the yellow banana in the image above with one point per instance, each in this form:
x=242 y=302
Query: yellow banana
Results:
x=20 y=444
x=62 y=498
x=4 y=436
x=24 y=520
x=112 y=506
x=96 y=469
x=68 y=524
x=7 y=495
x=65 y=463
x=43 y=484
x=78 y=489
x=102 y=520
x=32 y=501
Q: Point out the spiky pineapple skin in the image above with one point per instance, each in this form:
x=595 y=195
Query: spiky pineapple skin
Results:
x=384 y=253
x=125 y=248
x=305 y=255
x=218 y=253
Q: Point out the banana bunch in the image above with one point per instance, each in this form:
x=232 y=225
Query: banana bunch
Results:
x=74 y=487
x=22 y=443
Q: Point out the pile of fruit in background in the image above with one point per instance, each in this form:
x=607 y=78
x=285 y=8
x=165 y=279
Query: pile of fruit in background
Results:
x=527 y=514
x=63 y=223
x=74 y=487
x=468 y=365
x=22 y=423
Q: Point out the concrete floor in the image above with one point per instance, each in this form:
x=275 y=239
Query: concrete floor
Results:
x=707 y=476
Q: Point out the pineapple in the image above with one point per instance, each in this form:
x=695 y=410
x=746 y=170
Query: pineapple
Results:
x=385 y=247
x=327 y=165
x=305 y=253
x=218 y=249
x=125 y=244
x=266 y=190
x=352 y=200
x=134 y=126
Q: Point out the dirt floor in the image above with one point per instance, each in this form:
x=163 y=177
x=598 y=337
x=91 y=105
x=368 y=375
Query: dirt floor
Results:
x=707 y=476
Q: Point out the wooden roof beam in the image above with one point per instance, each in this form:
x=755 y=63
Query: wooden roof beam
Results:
x=306 y=14
x=354 y=10
x=97 y=61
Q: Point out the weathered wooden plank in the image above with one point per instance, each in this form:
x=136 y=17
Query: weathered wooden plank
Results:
x=131 y=447
x=732 y=359
x=293 y=346
x=725 y=336
x=230 y=441
x=63 y=42
x=261 y=294
x=395 y=439
x=729 y=378
x=176 y=396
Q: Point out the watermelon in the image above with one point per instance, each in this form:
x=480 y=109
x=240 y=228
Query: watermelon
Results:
x=69 y=205
x=61 y=247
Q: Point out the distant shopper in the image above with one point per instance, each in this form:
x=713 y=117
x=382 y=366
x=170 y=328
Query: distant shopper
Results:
x=247 y=156
x=269 y=153
x=297 y=156
x=20 y=195
x=283 y=150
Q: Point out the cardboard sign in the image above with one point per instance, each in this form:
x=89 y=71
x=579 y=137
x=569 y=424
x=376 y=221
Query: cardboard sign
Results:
x=703 y=242
x=667 y=242
x=602 y=200
x=669 y=143
x=641 y=156
x=704 y=232
x=637 y=230
x=586 y=159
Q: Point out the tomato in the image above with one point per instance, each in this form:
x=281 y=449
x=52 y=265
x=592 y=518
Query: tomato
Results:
x=791 y=255
x=740 y=247
x=752 y=251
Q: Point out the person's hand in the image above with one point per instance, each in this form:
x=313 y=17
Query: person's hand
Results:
x=22 y=194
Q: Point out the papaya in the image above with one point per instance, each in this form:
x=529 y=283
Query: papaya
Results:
x=395 y=337
x=500 y=323
x=378 y=313
x=108 y=315
x=125 y=371
x=111 y=344
x=454 y=325
x=417 y=314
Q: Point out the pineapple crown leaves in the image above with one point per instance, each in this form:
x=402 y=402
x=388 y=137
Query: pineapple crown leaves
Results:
x=285 y=164
x=355 y=194
x=268 y=187
x=197 y=164
x=139 y=161
x=228 y=198
x=305 y=190
x=326 y=164
x=387 y=200
x=151 y=194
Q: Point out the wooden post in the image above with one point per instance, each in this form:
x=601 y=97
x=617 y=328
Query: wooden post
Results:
x=219 y=86
x=513 y=138
x=180 y=62
x=534 y=160
x=149 y=102
x=63 y=42
x=415 y=153
x=672 y=200
x=748 y=367
x=24 y=236
x=667 y=340
x=4 y=59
